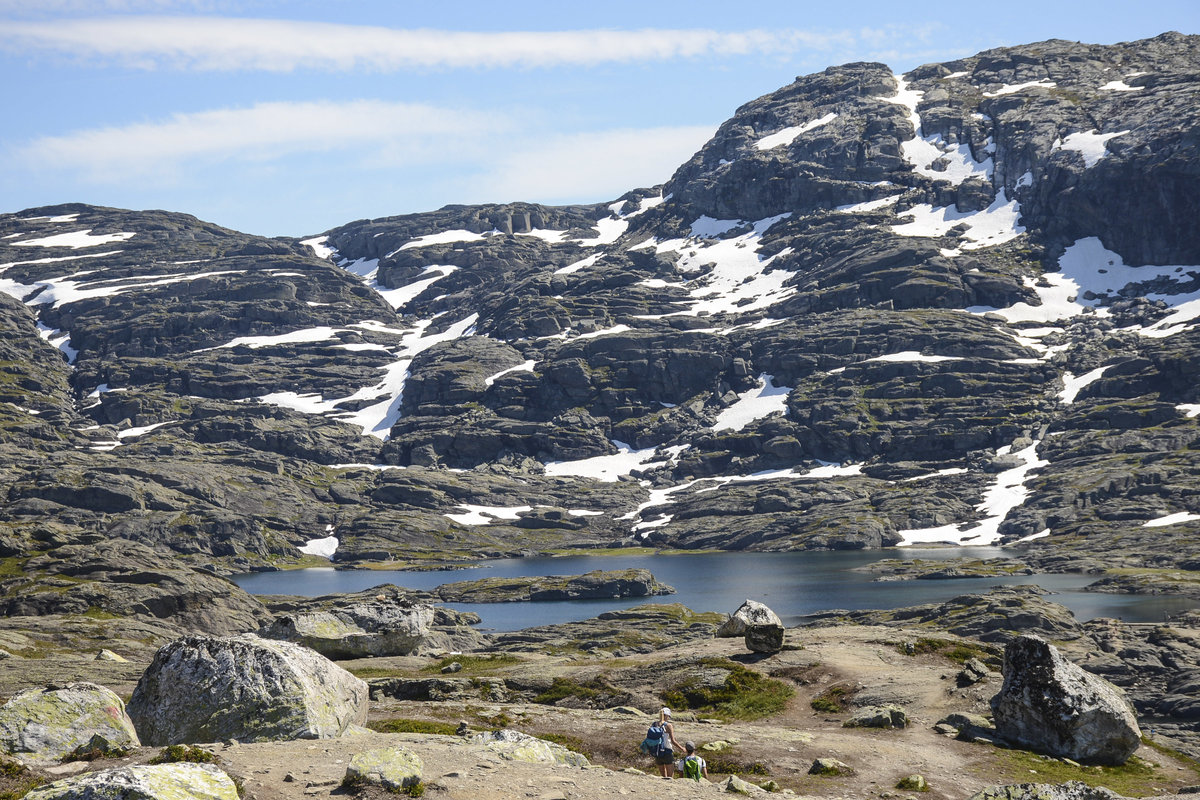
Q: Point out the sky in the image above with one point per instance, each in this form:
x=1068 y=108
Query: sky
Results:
x=288 y=118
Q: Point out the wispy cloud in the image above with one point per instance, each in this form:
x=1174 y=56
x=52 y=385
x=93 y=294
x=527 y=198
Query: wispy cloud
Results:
x=393 y=132
x=595 y=166
x=225 y=43
x=483 y=155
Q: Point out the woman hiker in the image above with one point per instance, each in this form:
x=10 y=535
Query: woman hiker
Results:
x=665 y=758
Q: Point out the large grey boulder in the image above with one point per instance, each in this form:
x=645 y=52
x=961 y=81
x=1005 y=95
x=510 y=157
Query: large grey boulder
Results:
x=202 y=689
x=356 y=632
x=47 y=725
x=181 y=781
x=761 y=627
x=1050 y=705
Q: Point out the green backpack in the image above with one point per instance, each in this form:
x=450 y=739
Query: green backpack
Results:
x=691 y=767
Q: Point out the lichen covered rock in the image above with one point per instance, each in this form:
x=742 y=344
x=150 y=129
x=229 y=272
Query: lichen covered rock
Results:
x=888 y=716
x=393 y=768
x=201 y=689
x=46 y=725
x=1050 y=705
x=517 y=746
x=151 y=782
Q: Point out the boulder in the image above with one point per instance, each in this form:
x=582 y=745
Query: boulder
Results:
x=735 y=785
x=1074 y=790
x=338 y=635
x=47 y=725
x=761 y=627
x=205 y=689
x=830 y=766
x=393 y=768
x=180 y=781
x=877 y=717
x=516 y=746
x=1050 y=705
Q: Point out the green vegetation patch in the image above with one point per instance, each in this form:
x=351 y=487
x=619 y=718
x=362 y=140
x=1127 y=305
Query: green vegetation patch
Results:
x=16 y=780
x=1135 y=778
x=724 y=765
x=956 y=651
x=475 y=665
x=184 y=752
x=402 y=725
x=591 y=690
x=745 y=694
x=833 y=700
x=572 y=743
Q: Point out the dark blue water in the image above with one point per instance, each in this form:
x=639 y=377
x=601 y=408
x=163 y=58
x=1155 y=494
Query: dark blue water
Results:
x=793 y=584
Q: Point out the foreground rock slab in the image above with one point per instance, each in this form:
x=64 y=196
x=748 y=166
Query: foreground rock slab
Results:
x=1075 y=790
x=517 y=746
x=153 y=782
x=1050 y=705
x=50 y=724
x=202 y=689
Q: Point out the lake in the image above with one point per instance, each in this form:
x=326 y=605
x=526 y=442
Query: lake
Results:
x=792 y=584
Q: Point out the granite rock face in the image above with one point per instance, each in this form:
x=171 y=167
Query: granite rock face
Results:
x=52 y=724
x=244 y=688
x=1050 y=705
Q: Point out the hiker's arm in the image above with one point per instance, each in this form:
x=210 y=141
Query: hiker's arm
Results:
x=675 y=745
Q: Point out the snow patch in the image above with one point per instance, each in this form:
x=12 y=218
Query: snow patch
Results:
x=765 y=399
x=994 y=225
x=1007 y=493
x=320 y=246
x=324 y=547
x=869 y=205
x=932 y=156
x=789 y=135
x=76 y=239
x=1171 y=519
x=582 y=263
x=445 y=237
x=913 y=355
x=525 y=367
x=1073 y=384
x=1012 y=88
x=486 y=515
x=1189 y=409
x=1089 y=144
x=1119 y=86
x=609 y=468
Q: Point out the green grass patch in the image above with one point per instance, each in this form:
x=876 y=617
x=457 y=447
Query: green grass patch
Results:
x=562 y=688
x=958 y=652
x=833 y=700
x=745 y=694
x=1135 y=778
x=724 y=765
x=402 y=725
x=475 y=665
x=176 y=753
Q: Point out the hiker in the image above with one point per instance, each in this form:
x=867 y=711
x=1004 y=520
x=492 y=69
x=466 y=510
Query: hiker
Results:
x=664 y=755
x=693 y=766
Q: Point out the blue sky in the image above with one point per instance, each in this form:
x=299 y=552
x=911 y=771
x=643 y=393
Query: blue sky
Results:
x=288 y=118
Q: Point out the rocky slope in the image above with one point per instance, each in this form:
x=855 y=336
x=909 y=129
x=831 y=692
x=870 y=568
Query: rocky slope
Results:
x=956 y=305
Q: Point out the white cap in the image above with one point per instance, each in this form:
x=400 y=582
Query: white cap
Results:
x=666 y=712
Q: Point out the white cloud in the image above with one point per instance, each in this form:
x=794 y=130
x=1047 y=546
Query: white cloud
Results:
x=397 y=132
x=225 y=43
x=487 y=155
x=593 y=166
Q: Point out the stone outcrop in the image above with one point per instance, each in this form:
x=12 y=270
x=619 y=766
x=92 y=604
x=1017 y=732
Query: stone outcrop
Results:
x=393 y=768
x=1050 y=705
x=597 y=584
x=889 y=716
x=517 y=746
x=180 y=781
x=385 y=620
x=57 y=722
x=244 y=688
x=1075 y=790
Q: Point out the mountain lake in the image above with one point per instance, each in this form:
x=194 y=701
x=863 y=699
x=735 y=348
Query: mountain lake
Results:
x=793 y=584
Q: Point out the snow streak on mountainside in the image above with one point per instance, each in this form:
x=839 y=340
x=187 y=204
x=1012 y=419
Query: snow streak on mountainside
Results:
x=959 y=305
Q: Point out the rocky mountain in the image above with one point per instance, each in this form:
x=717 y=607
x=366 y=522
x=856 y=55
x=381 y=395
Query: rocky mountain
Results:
x=956 y=305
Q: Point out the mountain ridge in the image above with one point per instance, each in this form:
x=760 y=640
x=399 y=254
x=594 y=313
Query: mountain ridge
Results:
x=872 y=310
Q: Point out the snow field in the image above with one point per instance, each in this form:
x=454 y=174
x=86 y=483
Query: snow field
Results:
x=1090 y=144
x=1171 y=519
x=765 y=399
x=956 y=163
x=994 y=225
x=76 y=239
